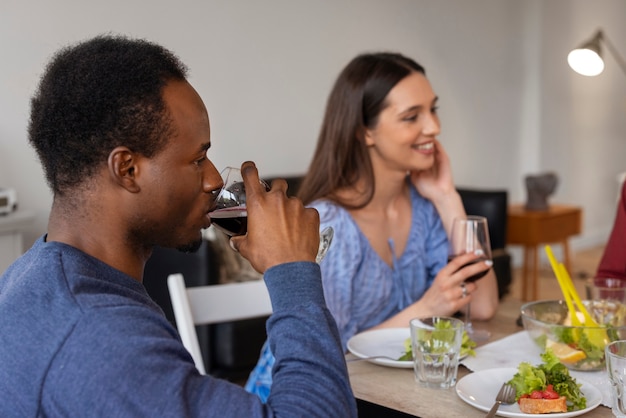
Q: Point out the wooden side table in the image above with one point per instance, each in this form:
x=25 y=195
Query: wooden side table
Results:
x=532 y=228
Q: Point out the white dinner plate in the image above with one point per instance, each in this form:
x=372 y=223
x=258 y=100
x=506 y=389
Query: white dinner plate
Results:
x=479 y=389
x=381 y=342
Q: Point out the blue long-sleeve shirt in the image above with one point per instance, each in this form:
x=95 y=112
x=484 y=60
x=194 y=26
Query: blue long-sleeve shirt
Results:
x=79 y=338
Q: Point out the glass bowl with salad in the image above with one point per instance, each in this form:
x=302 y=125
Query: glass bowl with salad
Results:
x=549 y=325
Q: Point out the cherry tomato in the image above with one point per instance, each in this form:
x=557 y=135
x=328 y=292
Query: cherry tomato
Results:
x=536 y=394
x=549 y=393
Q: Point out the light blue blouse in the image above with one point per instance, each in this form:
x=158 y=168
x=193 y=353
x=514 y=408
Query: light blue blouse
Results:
x=361 y=290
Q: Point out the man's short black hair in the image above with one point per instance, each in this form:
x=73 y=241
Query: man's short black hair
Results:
x=96 y=95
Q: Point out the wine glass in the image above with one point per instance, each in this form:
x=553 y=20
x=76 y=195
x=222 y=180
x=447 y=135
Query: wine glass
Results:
x=469 y=235
x=231 y=215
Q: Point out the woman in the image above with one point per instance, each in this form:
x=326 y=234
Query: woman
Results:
x=613 y=262
x=382 y=180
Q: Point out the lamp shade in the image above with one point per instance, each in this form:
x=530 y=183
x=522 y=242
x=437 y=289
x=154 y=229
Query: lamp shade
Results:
x=585 y=62
x=587 y=59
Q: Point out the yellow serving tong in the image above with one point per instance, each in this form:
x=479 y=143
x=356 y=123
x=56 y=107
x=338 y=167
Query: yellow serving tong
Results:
x=598 y=338
x=569 y=291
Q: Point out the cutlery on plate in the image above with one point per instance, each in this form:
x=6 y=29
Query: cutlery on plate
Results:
x=506 y=395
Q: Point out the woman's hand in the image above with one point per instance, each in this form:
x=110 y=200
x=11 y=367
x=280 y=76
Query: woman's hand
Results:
x=437 y=185
x=437 y=181
x=446 y=295
x=449 y=291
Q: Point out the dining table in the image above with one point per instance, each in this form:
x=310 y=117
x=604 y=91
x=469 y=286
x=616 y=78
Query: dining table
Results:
x=391 y=391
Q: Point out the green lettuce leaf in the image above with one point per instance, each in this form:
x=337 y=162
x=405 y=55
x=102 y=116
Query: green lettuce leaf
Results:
x=551 y=372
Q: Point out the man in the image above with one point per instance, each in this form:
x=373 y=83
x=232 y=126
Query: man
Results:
x=123 y=137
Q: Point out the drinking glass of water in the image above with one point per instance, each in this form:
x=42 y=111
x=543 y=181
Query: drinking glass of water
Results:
x=436 y=343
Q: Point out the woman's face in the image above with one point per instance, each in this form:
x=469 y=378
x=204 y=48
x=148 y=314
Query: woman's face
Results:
x=403 y=138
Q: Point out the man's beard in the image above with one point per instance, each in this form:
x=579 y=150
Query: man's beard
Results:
x=192 y=247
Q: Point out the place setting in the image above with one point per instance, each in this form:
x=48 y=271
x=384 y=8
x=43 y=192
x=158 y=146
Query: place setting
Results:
x=581 y=349
x=581 y=334
x=392 y=346
x=479 y=389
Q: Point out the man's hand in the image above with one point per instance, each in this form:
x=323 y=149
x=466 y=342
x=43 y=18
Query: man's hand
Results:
x=280 y=229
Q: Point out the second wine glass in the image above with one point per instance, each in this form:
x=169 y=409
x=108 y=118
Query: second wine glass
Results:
x=231 y=215
x=470 y=235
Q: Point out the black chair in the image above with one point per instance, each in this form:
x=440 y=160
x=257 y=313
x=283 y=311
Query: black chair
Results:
x=492 y=204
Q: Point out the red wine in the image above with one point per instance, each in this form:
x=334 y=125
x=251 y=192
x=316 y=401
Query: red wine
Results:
x=231 y=221
x=475 y=276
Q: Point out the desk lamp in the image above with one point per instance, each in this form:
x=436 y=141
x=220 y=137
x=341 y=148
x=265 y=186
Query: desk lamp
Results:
x=587 y=58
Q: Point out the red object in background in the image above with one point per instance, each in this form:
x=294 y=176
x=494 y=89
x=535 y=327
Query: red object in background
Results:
x=613 y=262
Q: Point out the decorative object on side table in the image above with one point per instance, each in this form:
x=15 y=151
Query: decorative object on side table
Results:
x=539 y=187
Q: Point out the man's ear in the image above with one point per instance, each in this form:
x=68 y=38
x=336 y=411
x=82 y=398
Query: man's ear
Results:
x=123 y=168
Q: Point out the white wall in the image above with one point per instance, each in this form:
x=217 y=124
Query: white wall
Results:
x=510 y=106
x=583 y=128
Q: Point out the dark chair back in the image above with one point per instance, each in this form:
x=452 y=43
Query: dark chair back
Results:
x=493 y=205
x=293 y=183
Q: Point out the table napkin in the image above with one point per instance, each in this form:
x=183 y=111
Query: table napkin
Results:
x=512 y=350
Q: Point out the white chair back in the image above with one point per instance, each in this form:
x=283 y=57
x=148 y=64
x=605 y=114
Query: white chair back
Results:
x=213 y=304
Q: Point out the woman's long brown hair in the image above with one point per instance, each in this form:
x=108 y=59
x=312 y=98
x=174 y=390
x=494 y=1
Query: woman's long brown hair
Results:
x=358 y=96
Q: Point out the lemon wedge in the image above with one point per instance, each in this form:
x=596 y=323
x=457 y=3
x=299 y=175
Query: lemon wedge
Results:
x=565 y=353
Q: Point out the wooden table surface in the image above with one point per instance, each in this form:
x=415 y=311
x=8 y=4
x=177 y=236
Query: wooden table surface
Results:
x=397 y=389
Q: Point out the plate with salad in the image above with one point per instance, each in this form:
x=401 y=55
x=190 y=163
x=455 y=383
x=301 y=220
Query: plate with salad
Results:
x=479 y=389
x=394 y=343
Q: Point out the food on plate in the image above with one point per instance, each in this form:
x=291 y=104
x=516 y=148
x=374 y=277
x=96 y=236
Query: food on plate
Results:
x=547 y=387
x=543 y=405
x=467 y=345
